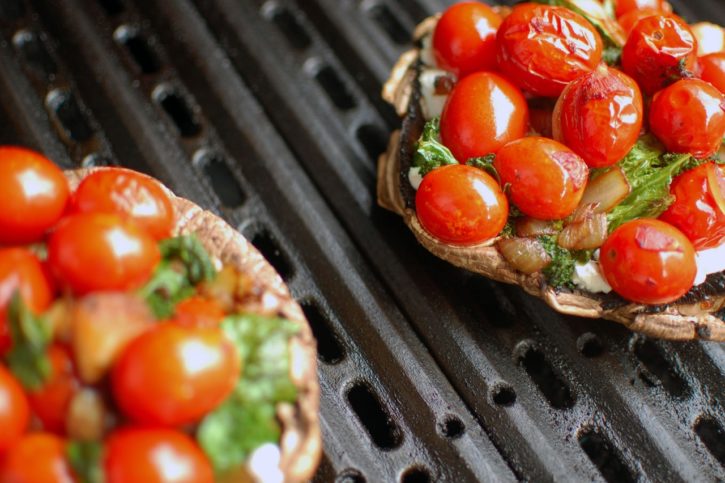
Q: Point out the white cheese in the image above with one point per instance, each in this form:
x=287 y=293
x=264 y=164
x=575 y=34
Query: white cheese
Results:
x=589 y=277
x=426 y=51
x=709 y=261
x=431 y=102
x=414 y=177
x=263 y=464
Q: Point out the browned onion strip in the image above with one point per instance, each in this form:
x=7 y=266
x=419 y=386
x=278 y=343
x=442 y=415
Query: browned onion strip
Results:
x=607 y=190
x=531 y=227
x=586 y=231
x=526 y=255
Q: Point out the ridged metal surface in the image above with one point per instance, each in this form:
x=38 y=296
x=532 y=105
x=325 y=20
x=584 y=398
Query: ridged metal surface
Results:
x=268 y=112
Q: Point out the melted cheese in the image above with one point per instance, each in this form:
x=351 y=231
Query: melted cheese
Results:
x=709 y=261
x=414 y=177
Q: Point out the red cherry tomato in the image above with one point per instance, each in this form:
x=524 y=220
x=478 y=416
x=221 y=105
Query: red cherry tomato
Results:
x=545 y=179
x=198 y=312
x=20 y=270
x=173 y=375
x=543 y=48
x=698 y=207
x=95 y=252
x=461 y=205
x=689 y=117
x=14 y=410
x=659 y=50
x=648 y=261
x=712 y=69
x=464 y=39
x=630 y=19
x=627 y=6
x=599 y=116
x=484 y=112
x=154 y=456
x=34 y=195
x=51 y=401
x=37 y=458
x=128 y=194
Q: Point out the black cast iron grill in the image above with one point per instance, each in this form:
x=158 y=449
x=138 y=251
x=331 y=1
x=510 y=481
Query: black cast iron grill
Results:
x=268 y=113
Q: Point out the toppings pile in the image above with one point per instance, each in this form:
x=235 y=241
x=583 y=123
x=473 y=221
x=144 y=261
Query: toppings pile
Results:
x=581 y=137
x=126 y=355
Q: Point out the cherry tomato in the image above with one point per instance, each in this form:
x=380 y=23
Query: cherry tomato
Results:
x=172 y=375
x=648 y=261
x=14 y=410
x=96 y=252
x=599 y=116
x=698 y=207
x=712 y=69
x=464 y=39
x=630 y=19
x=484 y=112
x=37 y=458
x=659 y=50
x=198 y=312
x=461 y=205
x=627 y=6
x=51 y=401
x=20 y=270
x=34 y=195
x=710 y=38
x=543 y=48
x=689 y=117
x=545 y=179
x=154 y=456
x=128 y=194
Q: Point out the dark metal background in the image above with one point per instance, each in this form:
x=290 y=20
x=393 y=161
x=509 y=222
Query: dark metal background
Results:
x=268 y=112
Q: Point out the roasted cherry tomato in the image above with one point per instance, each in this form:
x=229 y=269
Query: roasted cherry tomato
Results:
x=630 y=19
x=14 y=410
x=599 y=116
x=660 y=50
x=37 y=458
x=34 y=195
x=627 y=6
x=95 y=252
x=128 y=194
x=544 y=178
x=461 y=205
x=710 y=38
x=699 y=206
x=464 y=39
x=689 y=117
x=173 y=375
x=543 y=48
x=648 y=261
x=50 y=402
x=712 y=69
x=484 y=112
x=154 y=456
x=21 y=271
x=198 y=312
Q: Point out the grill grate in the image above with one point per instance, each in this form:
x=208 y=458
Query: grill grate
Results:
x=427 y=373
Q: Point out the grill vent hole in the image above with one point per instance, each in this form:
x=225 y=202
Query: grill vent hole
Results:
x=415 y=475
x=550 y=384
x=329 y=347
x=335 y=88
x=179 y=111
x=373 y=139
x=713 y=435
x=605 y=457
x=504 y=395
x=66 y=110
x=223 y=181
x=590 y=345
x=650 y=355
x=11 y=10
x=112 y=7
x=31 y=48
x=350 y=476
x=388 y=22
x=268 y=246
x=453 y=427
x=371 y=413
x=291 y=28
x=139 y=49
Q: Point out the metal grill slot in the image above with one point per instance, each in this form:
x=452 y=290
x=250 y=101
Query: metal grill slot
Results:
x=139 y=49
x=374 y=417
x=658 y=369
x=373 y=139
x=67 y=112
x=11 y=10
x=290 y=27
x=31 y=48
x=221 y=178
x=389 y=23
x=549 y=382
x=503 y=395
x=605 y=457
x=179 y=111
x=452 y=427
x=712 y=435
x=269 y=247
x=491 y=302
x=329 y=347
x=335 y=88
x=590 y=345
x=416 y=475
x=112 y=7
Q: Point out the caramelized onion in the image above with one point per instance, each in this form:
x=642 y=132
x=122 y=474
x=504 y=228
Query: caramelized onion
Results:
x=86 y=416
x=716 y=180
x=586 y=231
x=531 y=227
x=526 y=255
x=606 y=190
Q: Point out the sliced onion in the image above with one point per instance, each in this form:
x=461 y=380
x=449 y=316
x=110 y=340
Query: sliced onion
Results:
x=531 y=227
x=587 y=230
x=86 y=416
x=526 y=255
x=607 y=190
x=716 y=180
